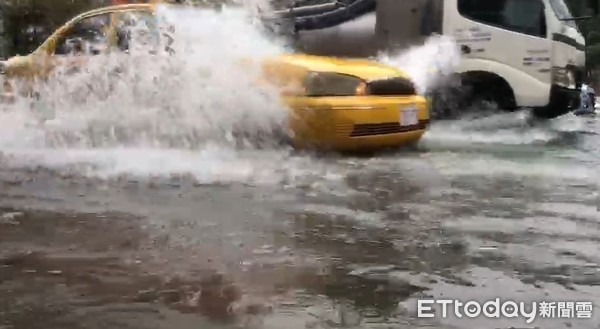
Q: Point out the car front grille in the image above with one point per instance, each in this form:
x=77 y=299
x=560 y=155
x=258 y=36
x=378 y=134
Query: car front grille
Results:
x=391 y=87
x=386 y=128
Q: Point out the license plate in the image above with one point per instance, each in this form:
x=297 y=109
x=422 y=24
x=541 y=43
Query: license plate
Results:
x=408 y=116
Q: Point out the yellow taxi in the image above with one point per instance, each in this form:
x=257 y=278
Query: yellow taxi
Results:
x=335 y=103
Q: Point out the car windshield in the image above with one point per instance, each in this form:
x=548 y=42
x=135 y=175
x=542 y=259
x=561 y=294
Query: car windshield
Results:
x=140 y=26
x=141 y=19
x=562 y=11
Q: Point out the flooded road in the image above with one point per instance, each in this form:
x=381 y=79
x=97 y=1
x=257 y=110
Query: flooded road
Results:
x=481 y=210
x=128 y=205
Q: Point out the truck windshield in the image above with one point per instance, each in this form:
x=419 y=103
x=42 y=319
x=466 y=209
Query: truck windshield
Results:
x=562 y=11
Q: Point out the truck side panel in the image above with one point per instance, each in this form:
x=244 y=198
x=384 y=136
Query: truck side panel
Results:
x=507 y=41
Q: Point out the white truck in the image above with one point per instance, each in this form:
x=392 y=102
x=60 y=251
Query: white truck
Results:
x=516 y=53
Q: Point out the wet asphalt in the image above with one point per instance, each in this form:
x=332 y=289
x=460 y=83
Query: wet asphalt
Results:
x=480 y=210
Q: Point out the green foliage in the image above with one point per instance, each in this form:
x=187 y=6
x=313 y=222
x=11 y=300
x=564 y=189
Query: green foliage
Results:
x=593 y=37
x=590 y=28
x=593 y=56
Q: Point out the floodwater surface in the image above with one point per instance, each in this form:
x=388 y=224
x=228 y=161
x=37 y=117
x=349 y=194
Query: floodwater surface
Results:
x=138 y=211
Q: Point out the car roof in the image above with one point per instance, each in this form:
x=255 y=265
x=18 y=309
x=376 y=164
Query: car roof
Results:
x=115 y=8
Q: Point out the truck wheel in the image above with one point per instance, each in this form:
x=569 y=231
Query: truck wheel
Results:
x=487 y=92
x=473 y=93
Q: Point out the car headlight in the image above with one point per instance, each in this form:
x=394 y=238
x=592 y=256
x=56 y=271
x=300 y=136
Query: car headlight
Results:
x=332 y=84
x=563 y=77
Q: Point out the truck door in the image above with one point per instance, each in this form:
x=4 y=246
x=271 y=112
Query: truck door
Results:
x=512 y=33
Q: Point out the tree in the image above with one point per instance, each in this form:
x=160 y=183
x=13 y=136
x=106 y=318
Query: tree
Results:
x=590 y=28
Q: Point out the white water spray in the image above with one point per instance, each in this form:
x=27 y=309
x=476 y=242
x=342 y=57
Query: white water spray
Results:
x=201 y=93
x=428 y=64
x=177 y=114
x=122 y=109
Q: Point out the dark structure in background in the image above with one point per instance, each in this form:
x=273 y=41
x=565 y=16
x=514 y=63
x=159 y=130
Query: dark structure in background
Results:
x=336 y=28
x=27 y=23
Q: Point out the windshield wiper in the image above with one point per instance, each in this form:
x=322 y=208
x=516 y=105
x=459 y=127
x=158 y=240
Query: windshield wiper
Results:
x=575 y=18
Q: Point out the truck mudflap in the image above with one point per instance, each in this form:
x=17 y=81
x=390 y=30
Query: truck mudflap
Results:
x=562 y=101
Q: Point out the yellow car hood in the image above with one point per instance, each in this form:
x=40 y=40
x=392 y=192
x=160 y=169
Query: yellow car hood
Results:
x=364 y=69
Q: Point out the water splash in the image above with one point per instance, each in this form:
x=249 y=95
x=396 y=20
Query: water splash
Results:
x=431 y=65
x=203 y=97
x=428 y=64
x=184 y=113
x=201 y=93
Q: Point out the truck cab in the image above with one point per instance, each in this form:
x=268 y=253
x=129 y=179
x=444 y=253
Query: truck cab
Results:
x=516 y=53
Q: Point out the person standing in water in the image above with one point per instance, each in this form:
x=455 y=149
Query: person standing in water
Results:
x=588 y=100
x=592 y=97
